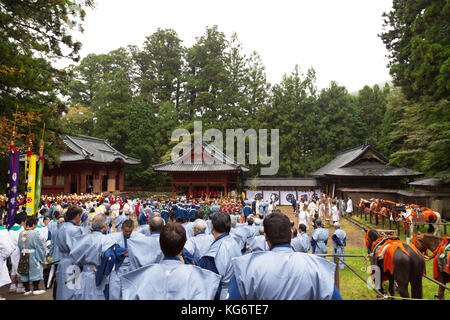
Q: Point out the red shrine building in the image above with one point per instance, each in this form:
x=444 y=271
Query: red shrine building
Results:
x=87 y=165
x=214 y=176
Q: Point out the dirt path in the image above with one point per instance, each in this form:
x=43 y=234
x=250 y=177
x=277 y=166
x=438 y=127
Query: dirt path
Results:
x=355 y=237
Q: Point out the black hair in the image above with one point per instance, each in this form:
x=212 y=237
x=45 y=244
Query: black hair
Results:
x=20 y=217
x=73 y=212
x=221 y=222
x=128 y=224
x=31 y=221
x=302 y=227
x=277 y=227
x=172 y=239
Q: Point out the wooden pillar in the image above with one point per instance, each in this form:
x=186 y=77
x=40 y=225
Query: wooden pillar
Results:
x=111 y=185
x=83 y=182
x=121 y=180
x=173 y=190
x=96 y=183
x=67 y=181
x=78 y=178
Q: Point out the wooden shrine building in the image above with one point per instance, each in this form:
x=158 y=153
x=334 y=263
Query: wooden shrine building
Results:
x=87 y=165
x=363 y=172
x=214 y=176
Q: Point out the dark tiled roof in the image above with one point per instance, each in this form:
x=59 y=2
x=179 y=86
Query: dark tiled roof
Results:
x=375 y=169
x=94 y=149
x=221 y=162
x=351 y=162
x=281 y=182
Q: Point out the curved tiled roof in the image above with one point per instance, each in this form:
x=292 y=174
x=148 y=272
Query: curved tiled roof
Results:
x=90 y=148
x=221 y=162
x=352 y=162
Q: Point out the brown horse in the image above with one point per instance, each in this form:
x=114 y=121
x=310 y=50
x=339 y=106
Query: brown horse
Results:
x=424 y=242
x=400 y=263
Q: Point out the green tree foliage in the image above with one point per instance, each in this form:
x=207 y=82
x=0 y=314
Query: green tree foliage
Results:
x=417 y=37
x=418 y=40
x=372 y=104
x=138 y=96
x=339 y=122
x=32 y=34
x=159 y=65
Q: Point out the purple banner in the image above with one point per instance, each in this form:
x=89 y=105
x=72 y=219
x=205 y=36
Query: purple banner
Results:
x=13 y=184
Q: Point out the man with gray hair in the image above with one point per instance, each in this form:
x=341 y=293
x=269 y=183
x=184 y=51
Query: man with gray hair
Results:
x=198 y=245
x=87 y=254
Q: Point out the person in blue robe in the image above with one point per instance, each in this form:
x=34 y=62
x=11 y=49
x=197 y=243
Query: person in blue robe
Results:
x=320 y=238
x=223 y=249
x=143 y=226
x=170 y=279
x=258 y=243
x=281 y=273
x=239 y=234
x=119 y=220
x=139 y=251
x=247 y=211
x=165 y=215
x=301 y=242
x=69 y=233
x=35 y=246
x=198 y=245
x=251 y=228
x=215 y=208
x=87 y=254
x=339 y=242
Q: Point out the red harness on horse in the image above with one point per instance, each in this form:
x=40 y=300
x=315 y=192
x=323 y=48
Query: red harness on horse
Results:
x=385 y=247
x=440 y=249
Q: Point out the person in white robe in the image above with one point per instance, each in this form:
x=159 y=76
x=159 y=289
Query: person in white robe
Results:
x=349 y=209
x=334 y=213
x=6 y=249
x=19 y=225
x=303 y=215
x=115 y=209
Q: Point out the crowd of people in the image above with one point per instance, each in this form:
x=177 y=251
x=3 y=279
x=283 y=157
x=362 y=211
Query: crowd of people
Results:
x=108 y=247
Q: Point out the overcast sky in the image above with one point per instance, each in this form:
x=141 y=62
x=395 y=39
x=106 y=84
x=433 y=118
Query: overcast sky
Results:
x=338 y=38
